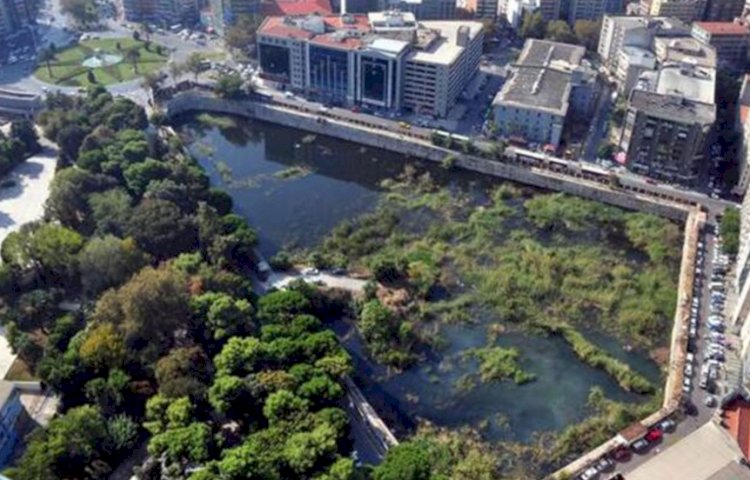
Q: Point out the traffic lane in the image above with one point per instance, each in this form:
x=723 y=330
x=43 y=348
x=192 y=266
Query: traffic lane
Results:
x=368 y=449
x=634 y=181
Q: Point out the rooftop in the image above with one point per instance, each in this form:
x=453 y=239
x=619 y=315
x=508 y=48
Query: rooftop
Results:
x=537 y=87
x=744 y=100
x=389 y=20
x=444 y=50
x=296 y=7
x=673 y=107
x=543 y=53
x=706 y=454
x=687 y=80
x=639 y=56
x=669 y=49
x=722 y=28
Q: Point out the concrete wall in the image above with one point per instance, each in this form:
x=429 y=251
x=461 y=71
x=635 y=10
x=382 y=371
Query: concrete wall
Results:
x=190 y=101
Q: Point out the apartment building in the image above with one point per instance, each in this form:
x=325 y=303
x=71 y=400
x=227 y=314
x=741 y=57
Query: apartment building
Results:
x=723 y=10
x=742 y=126
x=549 y=83
x=384 y=59
x=729 y=39
x=422 y=9
x=621 y=31
x=686 y=10
x=669 y=117
x=576 y=10
x=483 y=8
x=15 y=15
x=632 y=62
x=165 y=12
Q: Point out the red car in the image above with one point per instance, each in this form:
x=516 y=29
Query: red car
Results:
x=621 y=454
x=654 y=435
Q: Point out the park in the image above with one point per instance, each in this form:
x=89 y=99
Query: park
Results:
x=100 y=62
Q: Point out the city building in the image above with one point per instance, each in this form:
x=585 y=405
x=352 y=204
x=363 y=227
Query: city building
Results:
x=422 y=9
x=590 y=9
x=669 y=116
x=16 y=15
x=384 y=59
x=633 y=61
x=729 y=39
x=742 y=126
x=618 y=32
x=686 y=10
x=723 y=10
x=226 y=12
x=684 y=50
x=163 y=12
x=296 y=7
x=483 y=8
x=549 y=83
x=10 y=409
x=514 y=10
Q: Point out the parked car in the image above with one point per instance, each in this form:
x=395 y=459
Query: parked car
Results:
x=667 y=425
x=640 y=445
x=604 y=464
x=589 y=474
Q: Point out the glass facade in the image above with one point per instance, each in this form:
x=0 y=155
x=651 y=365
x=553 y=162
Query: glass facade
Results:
x=329 y=72
x=374 y=79
x=274 y=61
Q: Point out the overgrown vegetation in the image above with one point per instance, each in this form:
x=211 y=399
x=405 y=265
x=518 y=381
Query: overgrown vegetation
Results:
x=15 y=148
x=730 y=231
x=171 y=346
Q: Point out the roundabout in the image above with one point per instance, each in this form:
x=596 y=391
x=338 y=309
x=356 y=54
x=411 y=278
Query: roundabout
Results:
x=101 y=62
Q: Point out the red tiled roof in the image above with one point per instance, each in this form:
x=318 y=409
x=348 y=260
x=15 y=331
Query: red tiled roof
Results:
x=276 y=27
x=737 y=419
x=358 y=22
x=723 y=28
x=296 y=7
x=329 y=39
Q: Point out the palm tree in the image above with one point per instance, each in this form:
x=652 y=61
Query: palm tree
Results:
x=46 y=55
x=146 y=31
x=133 y=55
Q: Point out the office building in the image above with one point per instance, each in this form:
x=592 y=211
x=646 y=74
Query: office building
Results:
x=549 y=83
x=226 y=12
x=723 y=10
x=384 y=59
x=16 y=15
x=422 y=9
x=686 y=10
x=277 y=8
x=670 y=114
x=575 y=10
x=10 y=409
x=162 y=12
x=619 y=31
x=729 y=39
x=483 y=8
x=515 y=10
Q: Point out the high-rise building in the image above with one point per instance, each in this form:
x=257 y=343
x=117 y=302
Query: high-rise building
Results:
x=723 y=10
x=742 y=126
x=15 y=15
x=165 y=12
x=483 y=8
x=226 y=12
x=590 y=9
x=384 y=59
x=670 y=114
x=729 y=39
x=686 y=10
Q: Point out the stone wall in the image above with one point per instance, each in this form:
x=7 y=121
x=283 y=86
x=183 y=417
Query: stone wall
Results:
x=392 y=141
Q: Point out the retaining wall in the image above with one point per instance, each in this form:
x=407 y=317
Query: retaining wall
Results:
x=391 y=141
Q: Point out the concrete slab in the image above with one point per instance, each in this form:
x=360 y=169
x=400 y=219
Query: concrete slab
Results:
x=700 y=456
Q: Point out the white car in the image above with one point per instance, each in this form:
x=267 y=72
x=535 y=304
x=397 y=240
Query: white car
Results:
x=688 y=370
x=589 y=473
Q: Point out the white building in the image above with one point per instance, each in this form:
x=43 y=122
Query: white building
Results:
x=549 y=83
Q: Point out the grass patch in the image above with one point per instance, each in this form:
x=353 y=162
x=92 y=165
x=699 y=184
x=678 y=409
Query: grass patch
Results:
x=497 y=364
x=67 y=67
x=218 y=121
x=296 y=171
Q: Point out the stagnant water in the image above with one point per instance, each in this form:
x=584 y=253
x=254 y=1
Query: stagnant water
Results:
x=342 y=181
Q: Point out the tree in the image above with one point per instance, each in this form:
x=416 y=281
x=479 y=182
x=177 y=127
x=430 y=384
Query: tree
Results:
x=24 y=131
x=194 y=64
x=587 y=32
x=241 y=35
x=231 y=396
x=183 y=445
x=228 y=317
x=532 y=25
x=184 y=372
x=409 y=460
x=103 y=348
x=606 y=151
x=559 y=31
x=111 y=211
x=108 y=261
x=69 y=194
x=284 y=406
x=240 y=356
x=69 y=139
x=139 y=175
x=387 y=268
x=160 y=228
x=90 y=76
x=83 y=11
x=38 y=309
x=303 y=450
x=46 y=55
x=133 y=56
x=49 y=250
x=123 y=433
x=148 y=309
x=175 y=70
x=730 y=230
x=67 y=448
x=229 y=86
x=281 y=305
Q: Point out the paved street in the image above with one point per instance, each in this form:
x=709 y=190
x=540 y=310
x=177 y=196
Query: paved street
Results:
x=599 y=126
x=281 y=280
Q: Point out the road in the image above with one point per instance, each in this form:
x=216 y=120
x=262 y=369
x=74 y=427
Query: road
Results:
x=599 y=126
x=282 y=280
